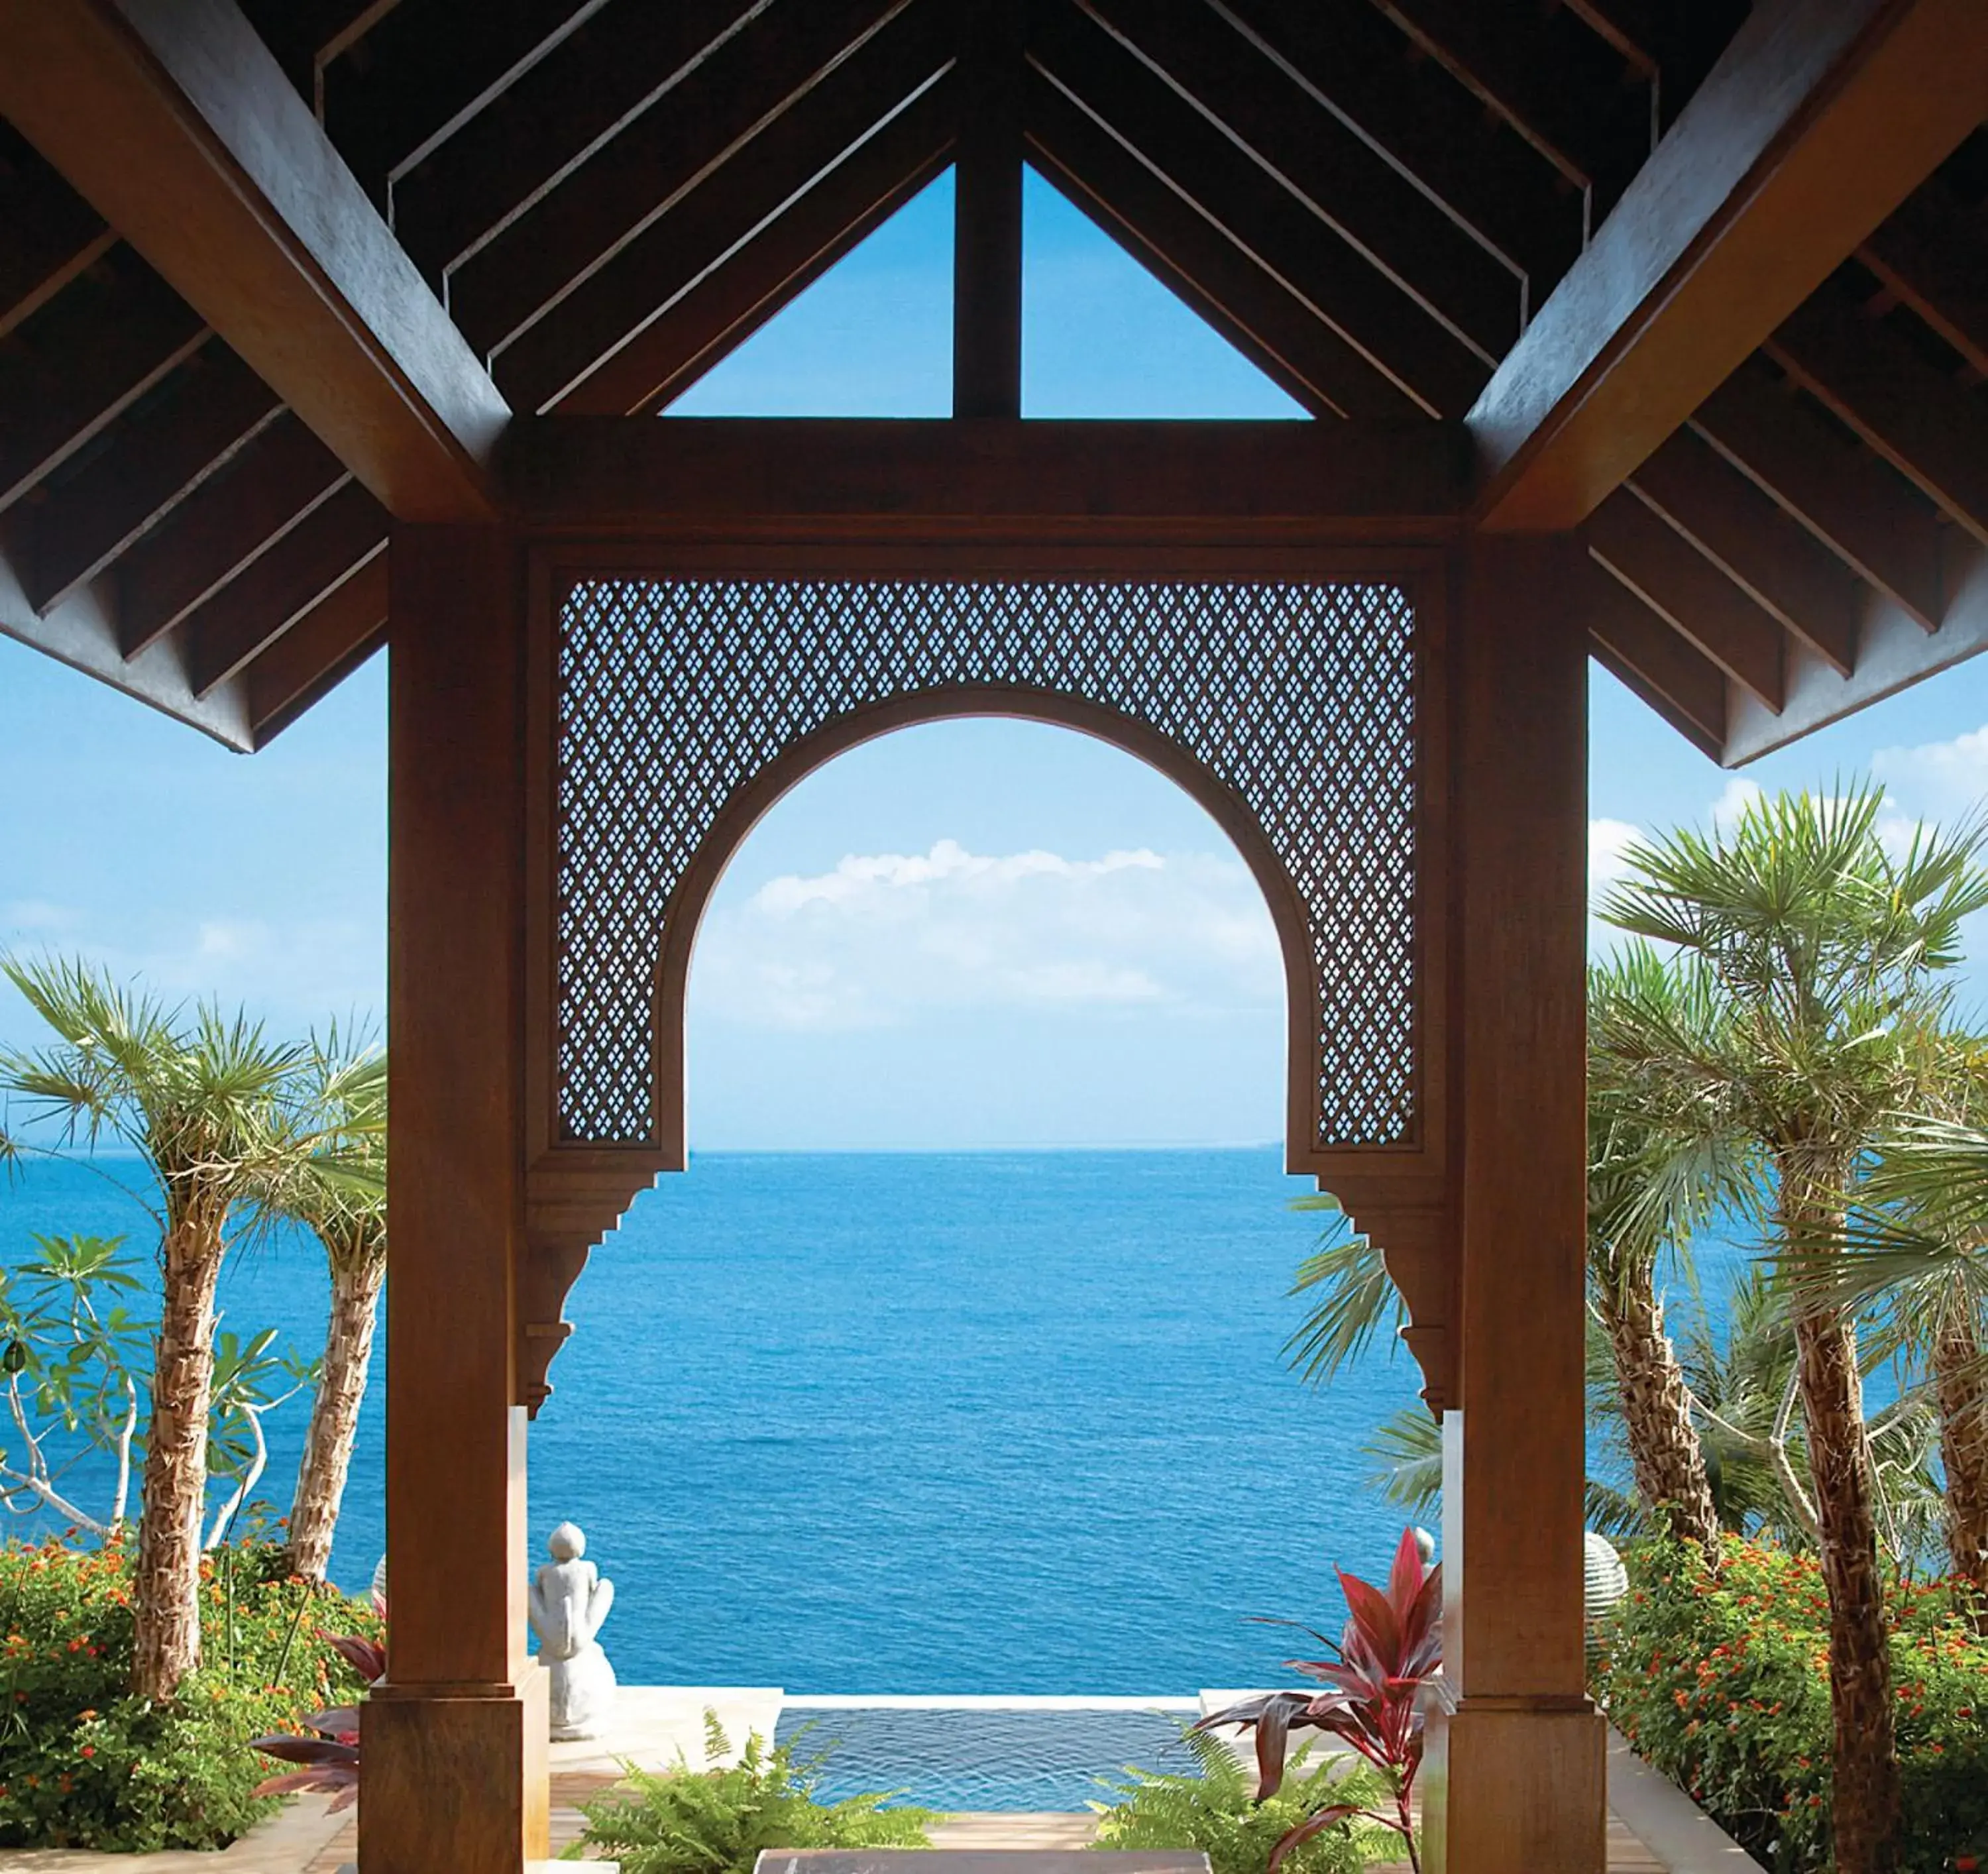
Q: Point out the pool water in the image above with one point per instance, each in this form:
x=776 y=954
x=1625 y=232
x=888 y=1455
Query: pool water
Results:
x=1045 y=1754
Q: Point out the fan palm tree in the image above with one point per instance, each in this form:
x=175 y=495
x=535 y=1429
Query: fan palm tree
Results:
x=204 y=1103
x=1917 y=1247
x=1647 y=1192
x=1824 y=947
x=339 y=1193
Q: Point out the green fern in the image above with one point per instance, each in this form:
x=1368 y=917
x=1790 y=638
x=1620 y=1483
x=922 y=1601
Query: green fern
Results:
x=716 y=1820
x=1213 y=1809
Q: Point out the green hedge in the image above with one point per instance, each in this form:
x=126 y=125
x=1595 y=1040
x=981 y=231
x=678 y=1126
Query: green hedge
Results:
x=1722 y=1682
x=83 y=1765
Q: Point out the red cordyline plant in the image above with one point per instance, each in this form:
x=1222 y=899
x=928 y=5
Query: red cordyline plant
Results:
x=330 y=1759
x=1382 y=1677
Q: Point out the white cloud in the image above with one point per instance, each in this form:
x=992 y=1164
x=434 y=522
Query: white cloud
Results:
x=1739 y=794
x=37 y=919
x=1945 y=781
x=882 y=936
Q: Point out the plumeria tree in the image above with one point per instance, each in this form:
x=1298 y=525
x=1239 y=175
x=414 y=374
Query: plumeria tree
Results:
x=205 y=1101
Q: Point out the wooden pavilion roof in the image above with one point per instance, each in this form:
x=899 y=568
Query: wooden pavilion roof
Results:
x=1713 y=283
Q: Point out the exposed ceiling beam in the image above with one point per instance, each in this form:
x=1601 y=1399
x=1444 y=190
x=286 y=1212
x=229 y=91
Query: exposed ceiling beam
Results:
x=1441 y=373
x=1894 y=651
x=53 y=234
x=903 y=72
x=1273 y=328
x=1783 y=568
x=319 y=651
x=1821 y=118
x=82 y=632
x=707 y=477
x=1932 y=255
x=1671 y=674
x=1675 y=580
x=769 y=269
x=173 y=120
x=1862 y=510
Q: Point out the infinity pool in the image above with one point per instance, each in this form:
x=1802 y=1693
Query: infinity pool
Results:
x=1025 y=1754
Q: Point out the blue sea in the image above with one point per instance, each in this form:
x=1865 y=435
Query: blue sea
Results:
x=983 y=1424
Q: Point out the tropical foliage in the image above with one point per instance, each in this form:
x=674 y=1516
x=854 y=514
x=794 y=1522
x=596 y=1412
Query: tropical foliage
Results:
x=1216 y=1810
x=717 y=1820
x=1381 y=1676
x=83 y=1763
x=1721 y=1680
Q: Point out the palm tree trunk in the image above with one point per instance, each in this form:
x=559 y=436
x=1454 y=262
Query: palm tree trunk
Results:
x=1963 y=1395
x=1865 y=1810
x=165 y=1597
x=1664 y=1447
x=356 y=1282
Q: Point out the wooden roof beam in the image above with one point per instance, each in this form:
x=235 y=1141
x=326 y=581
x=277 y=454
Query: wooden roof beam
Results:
x=153 y=458
x=321 y=648
x=770 y=267
x=1782 y=567
x=1821 y=118
x=82 y=632
x=1894 y=651
x=173 y=120
x=1416 y=116
x=1932 y=430
x=1669 y=672
x=1436 y=371
x=1677 y=583
x=53 y=235
x=987 y=211
x=1309 y=152
x=1272 y=327
x=1933 y=256
x=905 y=71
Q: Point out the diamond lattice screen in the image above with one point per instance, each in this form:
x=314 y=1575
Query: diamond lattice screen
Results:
x=1300 y=698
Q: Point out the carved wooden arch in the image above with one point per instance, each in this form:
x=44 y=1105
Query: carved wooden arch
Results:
x=604 y=1122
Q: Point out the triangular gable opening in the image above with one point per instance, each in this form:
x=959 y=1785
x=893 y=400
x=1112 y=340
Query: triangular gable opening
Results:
x=1102 y=337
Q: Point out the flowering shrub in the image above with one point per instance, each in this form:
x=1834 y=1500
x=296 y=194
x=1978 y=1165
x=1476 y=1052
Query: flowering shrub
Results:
x=83 y=1765
x=1722 y=1682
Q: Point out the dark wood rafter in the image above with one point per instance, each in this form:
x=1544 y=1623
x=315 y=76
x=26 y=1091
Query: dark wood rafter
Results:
x=1416 y=116
x=66 y=373
x=53 y=235
x=602 y=206
x=599 y=79
x=1867 y=374
x=694 y=328
x=177 y=125
x=1214 y=179
x=422 y=70
x=1312 y=155
x=1558 y=85
x=271 y=485
x=302 y=35
x=149 y=460
x=857 y=102
x=987 y=211
x=1270 y=325
x=319 y=651
x=775 y=479
x=1819 y=120
x=1863 y=511
x=1933 y=256
x=1779 y=565
x=1670 y=674
x=226 y=632
x=1677 y=582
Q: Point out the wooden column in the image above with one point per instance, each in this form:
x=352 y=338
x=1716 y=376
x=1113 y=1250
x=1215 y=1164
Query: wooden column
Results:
x=455 y=1744
x=987 y=213
x=1516 y=1779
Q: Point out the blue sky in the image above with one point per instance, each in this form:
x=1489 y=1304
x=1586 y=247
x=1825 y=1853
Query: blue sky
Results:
x=977 y=933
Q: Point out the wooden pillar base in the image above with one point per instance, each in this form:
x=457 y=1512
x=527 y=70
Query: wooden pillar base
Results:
x=1512 y=1786
x=455 y=1777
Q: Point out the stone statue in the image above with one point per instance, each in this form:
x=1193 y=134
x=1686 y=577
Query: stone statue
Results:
x=569 y=1605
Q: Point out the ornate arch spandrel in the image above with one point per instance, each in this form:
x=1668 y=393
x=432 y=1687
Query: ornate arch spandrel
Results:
x=1301 y=706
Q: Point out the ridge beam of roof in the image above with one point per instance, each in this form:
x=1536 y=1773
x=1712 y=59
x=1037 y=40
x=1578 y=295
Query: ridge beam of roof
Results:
x=173 y=120
x=1822 y=117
